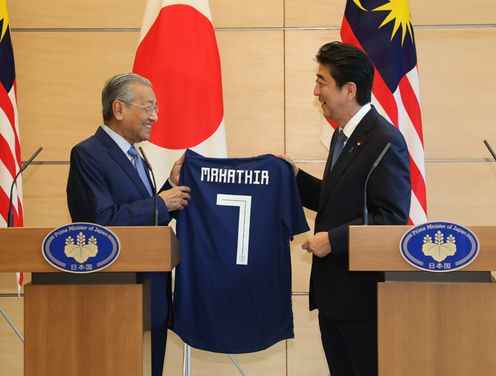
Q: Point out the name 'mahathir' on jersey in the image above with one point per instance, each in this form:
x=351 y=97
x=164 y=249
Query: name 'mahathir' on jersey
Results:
x=233 y=284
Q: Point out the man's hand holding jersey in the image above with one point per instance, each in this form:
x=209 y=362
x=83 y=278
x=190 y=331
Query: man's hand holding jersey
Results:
x=178 y=196
x=318 y=244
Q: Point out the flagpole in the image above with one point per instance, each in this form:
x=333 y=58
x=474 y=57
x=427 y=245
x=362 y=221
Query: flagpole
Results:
x=187 y=360
x=233 y=359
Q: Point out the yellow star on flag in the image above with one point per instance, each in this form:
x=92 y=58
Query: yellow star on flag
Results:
x=399 y=12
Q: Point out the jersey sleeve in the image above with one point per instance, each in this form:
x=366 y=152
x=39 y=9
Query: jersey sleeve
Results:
x=293 y=215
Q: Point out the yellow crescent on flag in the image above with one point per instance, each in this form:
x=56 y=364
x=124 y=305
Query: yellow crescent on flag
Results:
x=4 y=16
x=359 y=4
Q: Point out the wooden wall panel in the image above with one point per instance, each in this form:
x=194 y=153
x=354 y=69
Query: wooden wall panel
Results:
x=255 y=13
x=303 y=113
x=424 y=12
x=456 y=84
x=45 y=200
x=8 y=282
x=75 y=14
x=59 y=80
x=204 y=363
x=462 y=192
x=11 y=348
x=448 y=12
x=314 y=12
x=301 y=260
x=305 y=353
x=226 y=13
x=253 y=83
x=174 y=355
x=129 y=14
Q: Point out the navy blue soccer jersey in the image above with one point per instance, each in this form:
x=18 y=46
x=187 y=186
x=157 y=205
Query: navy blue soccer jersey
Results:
x=233 y=284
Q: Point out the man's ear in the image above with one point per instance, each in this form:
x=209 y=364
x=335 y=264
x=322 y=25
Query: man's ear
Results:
x=117 y=109
x=351 y=90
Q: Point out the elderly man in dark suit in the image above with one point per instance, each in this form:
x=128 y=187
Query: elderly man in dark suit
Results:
x=109 y=185
x=347 y=301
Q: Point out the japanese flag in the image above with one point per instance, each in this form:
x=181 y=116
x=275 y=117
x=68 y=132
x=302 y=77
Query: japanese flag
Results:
x=178 y=53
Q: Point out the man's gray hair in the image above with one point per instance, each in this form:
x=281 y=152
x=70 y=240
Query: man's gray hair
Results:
x=120 y=87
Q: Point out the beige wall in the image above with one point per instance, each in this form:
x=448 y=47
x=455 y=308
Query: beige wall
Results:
x=65 y=49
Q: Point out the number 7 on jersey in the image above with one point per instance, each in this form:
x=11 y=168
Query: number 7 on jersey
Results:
x=244 y=204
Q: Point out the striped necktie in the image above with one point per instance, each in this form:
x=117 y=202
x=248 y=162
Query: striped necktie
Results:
x=338 y=148
x=139 y=166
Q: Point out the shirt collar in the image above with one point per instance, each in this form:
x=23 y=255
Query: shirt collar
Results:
x=118 y=139
x=357 y=118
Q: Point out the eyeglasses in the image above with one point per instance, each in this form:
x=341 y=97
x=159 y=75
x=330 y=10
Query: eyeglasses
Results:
x=148 y=109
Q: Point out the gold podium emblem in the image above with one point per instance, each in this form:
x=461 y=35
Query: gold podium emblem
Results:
x=82 y=250
x=439 y=249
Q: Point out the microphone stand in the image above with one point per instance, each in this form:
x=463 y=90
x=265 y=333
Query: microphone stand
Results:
x=10 y=217
x=377 y=161
x=490 y=149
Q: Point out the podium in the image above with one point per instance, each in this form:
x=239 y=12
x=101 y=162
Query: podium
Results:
x=429 y=328
x=95 y=324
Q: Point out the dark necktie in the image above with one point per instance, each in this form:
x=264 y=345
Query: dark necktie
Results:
x=139 y=166
x=338 y=148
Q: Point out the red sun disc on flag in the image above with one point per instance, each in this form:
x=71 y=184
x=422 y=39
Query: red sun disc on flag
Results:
x=179 y=55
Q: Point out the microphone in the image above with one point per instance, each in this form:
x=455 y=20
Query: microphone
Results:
x=374 y=165
x=155 y=197
x=10 y=216
x=490 y=149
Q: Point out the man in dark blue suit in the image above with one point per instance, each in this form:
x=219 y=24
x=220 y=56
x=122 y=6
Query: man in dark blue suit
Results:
x=109 y=185
x=347 y=301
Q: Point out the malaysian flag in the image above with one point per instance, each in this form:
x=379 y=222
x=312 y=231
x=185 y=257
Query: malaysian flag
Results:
x=383 y=29
x=10 y=147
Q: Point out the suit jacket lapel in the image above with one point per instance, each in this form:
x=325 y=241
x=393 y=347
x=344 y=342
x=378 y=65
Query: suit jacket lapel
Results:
x=118 y=155
x=350 y=151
